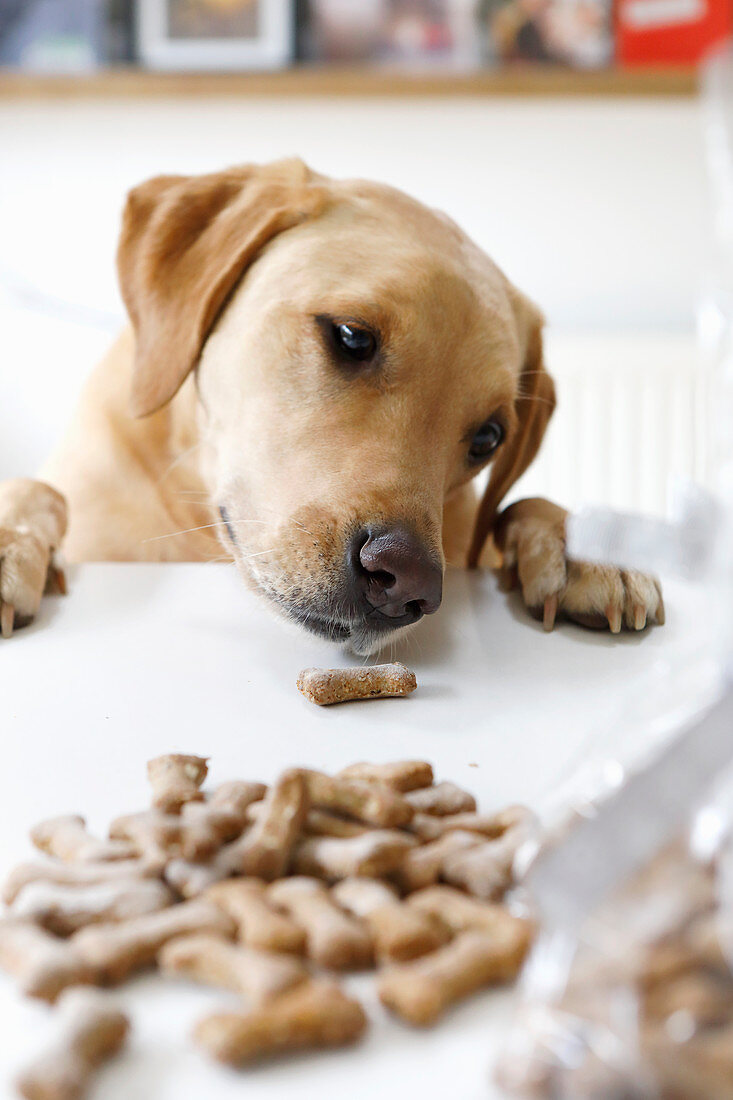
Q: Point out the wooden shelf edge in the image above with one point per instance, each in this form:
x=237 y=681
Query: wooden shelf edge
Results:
x=305 y=81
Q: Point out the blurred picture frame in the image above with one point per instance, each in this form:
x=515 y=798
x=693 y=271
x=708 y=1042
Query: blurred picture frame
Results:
x=215 y=35
x=577 y=34
x=412 y=33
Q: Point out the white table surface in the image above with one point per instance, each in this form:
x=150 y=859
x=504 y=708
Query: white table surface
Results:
x=139 y=660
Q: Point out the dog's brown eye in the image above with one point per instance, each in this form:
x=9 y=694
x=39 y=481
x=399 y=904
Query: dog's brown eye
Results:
x=355 y=341
x=486 y=440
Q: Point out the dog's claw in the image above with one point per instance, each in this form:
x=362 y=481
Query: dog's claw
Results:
x=56 y=581
x=661 y=614
x=549 y=613
x=613 y=614
x=7 y=617
x=639 y=616
x=508 y=578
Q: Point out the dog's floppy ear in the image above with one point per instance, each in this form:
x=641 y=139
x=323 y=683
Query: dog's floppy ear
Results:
x=185 y=243
x=535 y=404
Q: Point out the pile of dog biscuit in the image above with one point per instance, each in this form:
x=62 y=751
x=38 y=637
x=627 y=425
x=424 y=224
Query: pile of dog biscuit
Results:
x=266 y=892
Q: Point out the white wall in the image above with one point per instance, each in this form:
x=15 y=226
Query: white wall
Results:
x=596 y=208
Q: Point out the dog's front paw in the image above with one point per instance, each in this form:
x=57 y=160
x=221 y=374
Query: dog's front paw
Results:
x=531 y=536
x=32 y=524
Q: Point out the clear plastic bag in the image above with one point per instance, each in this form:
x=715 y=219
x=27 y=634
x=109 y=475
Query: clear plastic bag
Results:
x=628 y=992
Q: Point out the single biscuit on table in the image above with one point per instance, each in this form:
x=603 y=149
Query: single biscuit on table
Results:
x=65 y=909
x=333 y=938
x=420 y=992
x=442 y=799
x=249 y=971
x=113 y=951
x=403 y=775
x=373 y=803
x=399 y=932
x=176 y=779
x=325 y=686
x=42 y=964
x=259 y=924
x=66 y=838
x=373 y=854
x=311 y=1016
x=92 y=1030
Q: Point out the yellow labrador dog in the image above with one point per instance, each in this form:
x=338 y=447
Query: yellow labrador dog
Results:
x=314 y=373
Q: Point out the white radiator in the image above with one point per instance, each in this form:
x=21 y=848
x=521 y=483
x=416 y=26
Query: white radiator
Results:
x=628 y=418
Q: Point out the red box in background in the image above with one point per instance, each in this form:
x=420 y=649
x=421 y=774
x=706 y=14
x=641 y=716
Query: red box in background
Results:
x=670 y=32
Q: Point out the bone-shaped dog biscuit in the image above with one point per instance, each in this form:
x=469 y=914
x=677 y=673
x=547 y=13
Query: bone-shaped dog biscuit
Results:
x=93 y=1029
x=237 y=795
x=462 y=913
x=325 y=686
x=151 y=834
x=230 y=808
x=333 y=939
x=255 y=974
x=198 y=831
x=65 y=909
x=421 y=991
x=400 y=933
x=486 y=870
x=374 y=803
x=402 y=775
x=310 y=1016
x=442 y=799
x=176 y=779
x=362 y=896
x=189 y=878
x=423 y=866
x=77 y=874
x=208 y=825
x=259 y=924
x=319 y=822
x=325 y=823
x=264 y=851
x=66 y=837
x=491 y=826
x=43 y=965
x=115 y=950
x=269 y=845
x=372 y=854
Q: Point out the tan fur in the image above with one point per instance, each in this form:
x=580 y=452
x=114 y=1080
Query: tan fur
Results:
x=223 y=392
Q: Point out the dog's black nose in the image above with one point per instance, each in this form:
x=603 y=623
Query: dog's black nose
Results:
x=396 y=573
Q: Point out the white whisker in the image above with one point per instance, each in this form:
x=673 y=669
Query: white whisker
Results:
x=180 y=458
x=188 y=531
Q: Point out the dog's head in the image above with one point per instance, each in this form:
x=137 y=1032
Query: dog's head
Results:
x=357 y=360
